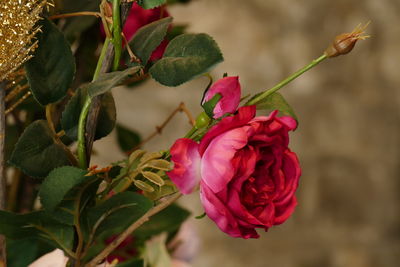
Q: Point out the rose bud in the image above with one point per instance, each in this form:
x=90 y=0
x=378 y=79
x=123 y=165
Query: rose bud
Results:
x=345 y=42
x=247 y=174
x=229 y=89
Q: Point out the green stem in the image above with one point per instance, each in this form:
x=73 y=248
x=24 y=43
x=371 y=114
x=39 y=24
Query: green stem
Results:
x=267 y=93
x=82 y=159
x=191 y=132
x=101 y=59
x=117 y=36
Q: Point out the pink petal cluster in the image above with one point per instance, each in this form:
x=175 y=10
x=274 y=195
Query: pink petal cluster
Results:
x=230 y=91
x=247 y=174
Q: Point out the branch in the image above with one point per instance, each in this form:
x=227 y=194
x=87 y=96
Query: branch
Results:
x=91 y=122
x=2 y=168
x=113 y=245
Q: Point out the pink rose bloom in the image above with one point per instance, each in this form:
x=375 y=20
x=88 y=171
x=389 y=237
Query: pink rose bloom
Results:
x=247 y=174
x=229 y=89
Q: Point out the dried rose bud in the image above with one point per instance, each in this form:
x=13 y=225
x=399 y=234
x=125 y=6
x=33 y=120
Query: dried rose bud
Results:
x=345 y=42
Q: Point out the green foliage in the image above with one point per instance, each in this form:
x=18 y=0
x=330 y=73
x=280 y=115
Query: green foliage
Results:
x=148 y=4
x=107 y=81
x=210 y=105
x=175 y=31
x=127 y=139
x=132 y=263
x=36 y=225
x=276 y=101
x=169 y=220
x=58 y=183
x=32 y=249
x=186 y=57
x=51 y=70
x=106 y=119
x=148 y=38
x=36 y=152
x=117 y=213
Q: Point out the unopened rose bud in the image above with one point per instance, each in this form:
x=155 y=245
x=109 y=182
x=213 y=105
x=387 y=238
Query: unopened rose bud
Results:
x=345 y=42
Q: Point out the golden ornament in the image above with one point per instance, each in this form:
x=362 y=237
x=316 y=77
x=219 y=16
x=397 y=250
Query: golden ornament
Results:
x=17 y=31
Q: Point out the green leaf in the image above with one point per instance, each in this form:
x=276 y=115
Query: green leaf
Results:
x=36 y=152
x=169 y=220
x=186 y=57
x=276 y=101
x=15 y=226
x=36 y=225
x=118 y=212
x=108 y=81
x=59 y=182
x=148 y=38
x=127 y=139
x=71 y=113
x=210 y=105
x=148 y=4
x=51 y=70
x=32 y=249
x=175 y=31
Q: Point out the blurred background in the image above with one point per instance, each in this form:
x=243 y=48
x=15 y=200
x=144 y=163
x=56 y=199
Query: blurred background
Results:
x=348 y=140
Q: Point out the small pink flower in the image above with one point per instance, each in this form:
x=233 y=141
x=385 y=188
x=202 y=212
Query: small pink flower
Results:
x=229 y=89
x=247 y=173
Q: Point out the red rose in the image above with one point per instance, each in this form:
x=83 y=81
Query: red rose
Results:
x=248 y=176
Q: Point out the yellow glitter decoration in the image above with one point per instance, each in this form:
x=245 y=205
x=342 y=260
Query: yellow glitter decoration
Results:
x=17 y=32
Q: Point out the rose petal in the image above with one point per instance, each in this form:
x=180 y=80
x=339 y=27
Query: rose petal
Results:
x=216 y=166
x=217 y=211
x=282 y=213
x=291 y=172
x=243 y=116
x=186 y=159
x=229 y=88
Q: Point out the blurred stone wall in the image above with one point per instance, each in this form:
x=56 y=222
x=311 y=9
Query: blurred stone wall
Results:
x=348 y=140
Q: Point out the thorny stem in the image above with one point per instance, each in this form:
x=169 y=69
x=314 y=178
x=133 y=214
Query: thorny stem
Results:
x=101 y=59
x=117 y=37
x=113 y=245
x=82 y=159
x=181 y=108
x=267 y=93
